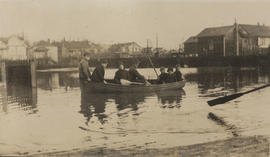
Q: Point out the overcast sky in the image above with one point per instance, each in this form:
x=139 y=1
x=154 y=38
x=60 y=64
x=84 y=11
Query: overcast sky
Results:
x=113 y=21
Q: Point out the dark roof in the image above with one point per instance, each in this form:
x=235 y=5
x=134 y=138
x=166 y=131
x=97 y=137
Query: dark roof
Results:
x=5 y=40
x=43 y=43
x=215 y=31
x=77 y=44
x=191 y=39
x=252 y=30
x=256 y=30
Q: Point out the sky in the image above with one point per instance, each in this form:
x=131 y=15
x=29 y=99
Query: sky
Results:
x=116 y=21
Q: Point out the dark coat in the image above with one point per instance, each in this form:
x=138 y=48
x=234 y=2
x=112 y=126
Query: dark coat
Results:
x=134 y=75
x=98 y=74
x=84 y=72
x=120 y=74
x=170 y=78
x=178 y=75
x=162 y=78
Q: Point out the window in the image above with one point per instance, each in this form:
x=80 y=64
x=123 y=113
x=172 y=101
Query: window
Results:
x=211 y=45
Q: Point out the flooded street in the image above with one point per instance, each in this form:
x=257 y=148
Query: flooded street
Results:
x=58 y=117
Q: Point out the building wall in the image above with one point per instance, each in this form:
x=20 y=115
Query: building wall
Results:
x=191 y=48
x=210 y=46
x=51 y=53
x=16 y=49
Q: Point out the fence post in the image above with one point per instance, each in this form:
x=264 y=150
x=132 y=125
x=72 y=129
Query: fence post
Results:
x=33 y=73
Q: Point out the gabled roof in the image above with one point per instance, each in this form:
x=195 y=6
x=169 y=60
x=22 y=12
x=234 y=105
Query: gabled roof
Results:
x=256 y=30
x=125 y=44
x=215 y=31
x=191 y=39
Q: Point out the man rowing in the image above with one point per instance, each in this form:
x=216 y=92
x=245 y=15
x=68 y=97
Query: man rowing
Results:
x=99 y=72
x=177 y=73
x=121 y=73
x=163 y=76
x=135 y=76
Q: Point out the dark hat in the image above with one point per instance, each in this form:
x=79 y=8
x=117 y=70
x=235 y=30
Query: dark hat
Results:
x=86 y=54
x=170 y=69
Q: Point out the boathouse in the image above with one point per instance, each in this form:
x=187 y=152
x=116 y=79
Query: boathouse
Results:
x=233 y=40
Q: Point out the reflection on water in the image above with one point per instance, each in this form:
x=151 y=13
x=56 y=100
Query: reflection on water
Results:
x=18 y=91
x=126 y=120
x=171 y=99
x=220 y=81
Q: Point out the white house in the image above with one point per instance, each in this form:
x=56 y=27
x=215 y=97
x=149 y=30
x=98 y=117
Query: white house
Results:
x=13 y=48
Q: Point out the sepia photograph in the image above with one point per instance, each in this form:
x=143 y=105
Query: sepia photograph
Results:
x=134 y=78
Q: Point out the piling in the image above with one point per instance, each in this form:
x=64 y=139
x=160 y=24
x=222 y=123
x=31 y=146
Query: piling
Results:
x=33 y=74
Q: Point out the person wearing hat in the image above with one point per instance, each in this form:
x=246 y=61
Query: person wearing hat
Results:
x=99 y=72
x=171 y=77
x=84 y=72
x=121 y=73
x=177 y=73
x=134 y=75
x=163 y=76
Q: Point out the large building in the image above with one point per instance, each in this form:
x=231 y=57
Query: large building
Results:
x=124 y=50
x=45 y=50
x=191 y=46
x=234 y=40
x=75 y=49
x=14 y=48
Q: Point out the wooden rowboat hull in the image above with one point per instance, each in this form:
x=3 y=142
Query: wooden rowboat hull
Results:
x=113 y=88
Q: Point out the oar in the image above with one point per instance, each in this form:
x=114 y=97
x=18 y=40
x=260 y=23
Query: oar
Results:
x=152 y=64
x=126 y=82
x=225 y=99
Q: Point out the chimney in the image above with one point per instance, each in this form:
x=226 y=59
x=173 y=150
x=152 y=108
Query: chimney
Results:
x=258 y=23
x=49 y=41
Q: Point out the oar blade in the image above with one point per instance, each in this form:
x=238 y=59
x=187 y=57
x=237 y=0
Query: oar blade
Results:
x=223 y=100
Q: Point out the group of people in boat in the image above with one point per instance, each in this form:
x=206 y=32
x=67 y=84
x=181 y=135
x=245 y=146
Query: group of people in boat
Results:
x=131 y=75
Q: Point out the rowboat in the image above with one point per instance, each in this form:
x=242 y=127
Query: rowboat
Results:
x=111 y=87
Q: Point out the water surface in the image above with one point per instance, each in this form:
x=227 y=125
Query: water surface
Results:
x=58 y=117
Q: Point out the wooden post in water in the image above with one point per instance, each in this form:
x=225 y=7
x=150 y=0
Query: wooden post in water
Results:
x=33 y=73
x=4 y=74
x=3 y=88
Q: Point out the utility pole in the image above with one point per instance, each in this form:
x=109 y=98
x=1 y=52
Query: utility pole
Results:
x=157 y=43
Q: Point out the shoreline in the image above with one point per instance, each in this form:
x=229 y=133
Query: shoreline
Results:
x=244 y=146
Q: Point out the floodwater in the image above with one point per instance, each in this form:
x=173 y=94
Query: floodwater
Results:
x=58 y=117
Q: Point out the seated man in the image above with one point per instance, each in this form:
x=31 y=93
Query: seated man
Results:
x=178 y=74
x=171 y=77
x=163 y=76
x=99 y=72
x=121 y=73
x=134 y=75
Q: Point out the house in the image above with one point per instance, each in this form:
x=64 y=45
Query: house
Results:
x=234 y=40
x=14 y=48
x=124 y=50
x=75 y=49
x=45 y=50
x=191 y=46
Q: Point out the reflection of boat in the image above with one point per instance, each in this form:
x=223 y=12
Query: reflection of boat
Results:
x=171 y=98
x=111 y=87
x=94 y=104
